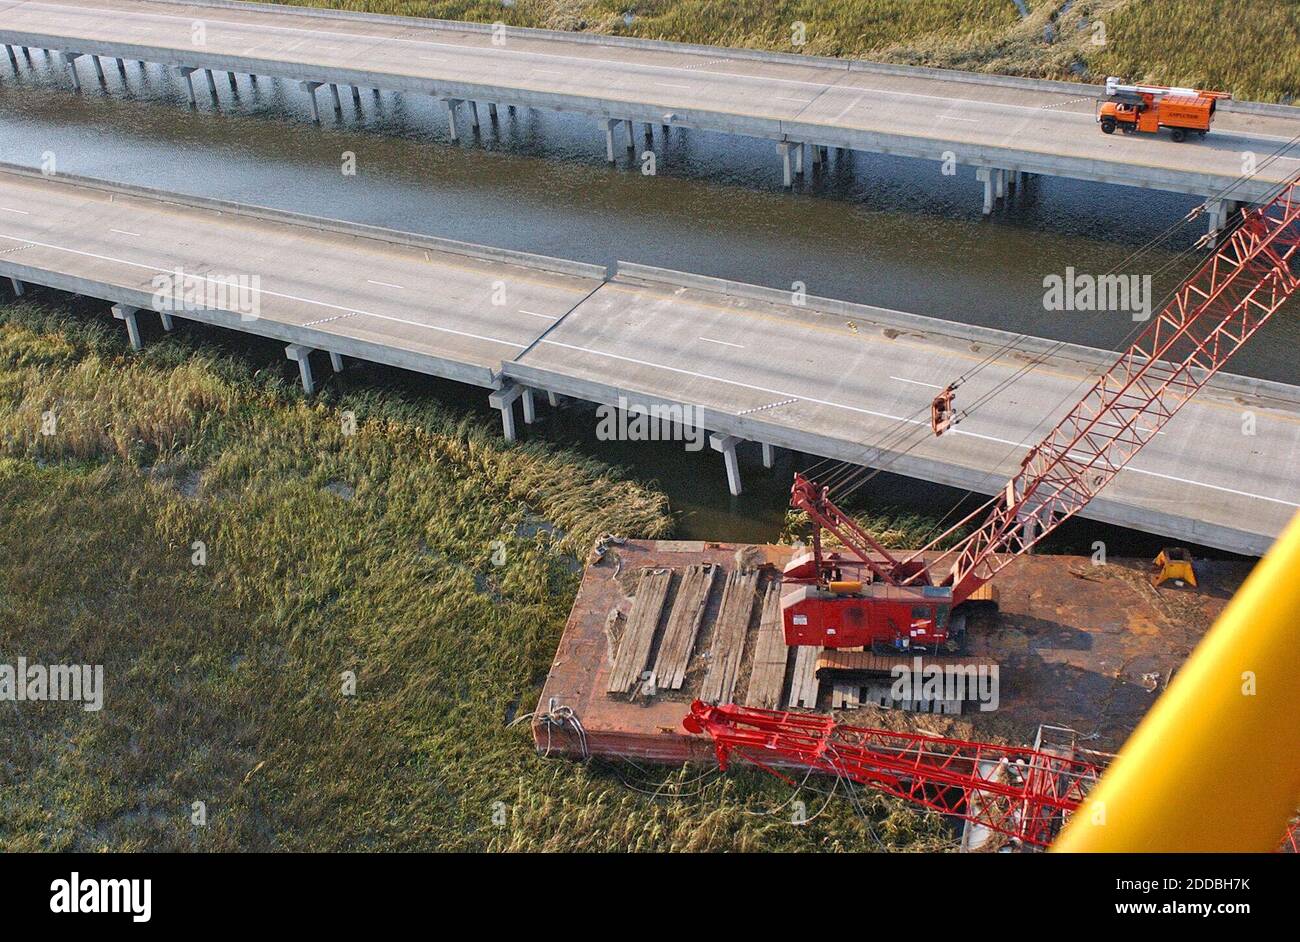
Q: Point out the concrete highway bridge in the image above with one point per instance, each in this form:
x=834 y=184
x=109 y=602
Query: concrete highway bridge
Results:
x=1004 y=127
x=749 y=364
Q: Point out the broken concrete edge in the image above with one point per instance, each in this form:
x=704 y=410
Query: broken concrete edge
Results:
x=338 y=226
x=888 y=317
x=727 y=52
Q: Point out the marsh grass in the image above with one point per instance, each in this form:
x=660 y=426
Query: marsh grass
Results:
x=326 y=553
x=1248 y=47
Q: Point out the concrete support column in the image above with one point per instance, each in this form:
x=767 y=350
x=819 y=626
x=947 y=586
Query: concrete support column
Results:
x=451 y=104
x=1216 y=214
x=492 y=112
x=27 y=54
x=530 y=406
x=70 y=58
x=99 y=70
x=13 y=59
x=816 y=155
x=336 y=361
x=769 y=455
x=19 y=290
x=166 y=319
x=798 y=159
x=504 y=399
x=1028 y=528
x=187 y=74
x=212 y=86
x=302 y=355
x=234 y=85
x=552 y=399
x=631 y=135
x=338 y=102
x=609 y=139
x=473 y=116
x=127 y=313
x=787 y=168
x=356 y=99
x=727 y=445
x=985 y=175
x=310 y=89
x=121 y=68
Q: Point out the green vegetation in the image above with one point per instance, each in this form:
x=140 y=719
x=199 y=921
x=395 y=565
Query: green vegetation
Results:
x=1248 y=47
x=326 y=552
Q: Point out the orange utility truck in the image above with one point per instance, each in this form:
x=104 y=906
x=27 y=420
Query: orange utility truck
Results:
x=1133 y=108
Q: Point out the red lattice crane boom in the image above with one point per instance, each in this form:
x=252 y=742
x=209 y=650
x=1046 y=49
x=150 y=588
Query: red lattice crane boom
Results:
x=1216 y=311
x=1016 y=791
x=1023 y=793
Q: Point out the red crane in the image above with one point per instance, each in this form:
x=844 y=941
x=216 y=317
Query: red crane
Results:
x=1023 y=793
x=873 y=597
x=1016 y=791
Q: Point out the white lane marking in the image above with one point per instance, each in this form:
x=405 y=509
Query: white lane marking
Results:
x=549 y=317
x=385 y=284
x=672 y=85
x=1213 y=487
x=797 y=101
x=953 y=117
x=725 y=343
x=135 y=235
x=916 y=382
x=793 y=397
x=20 y=212
x=273 y=294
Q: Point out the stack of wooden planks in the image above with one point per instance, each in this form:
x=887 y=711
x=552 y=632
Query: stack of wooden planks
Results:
x=638 y=635
x=804 y=685
x=771 y=654
x=684 y=625
x=729 y=636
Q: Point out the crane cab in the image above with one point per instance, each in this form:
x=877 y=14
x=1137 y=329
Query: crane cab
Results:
x=877 y=616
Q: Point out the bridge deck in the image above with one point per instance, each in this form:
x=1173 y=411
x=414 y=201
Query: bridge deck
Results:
x=828 y=378
x=1016 y=124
